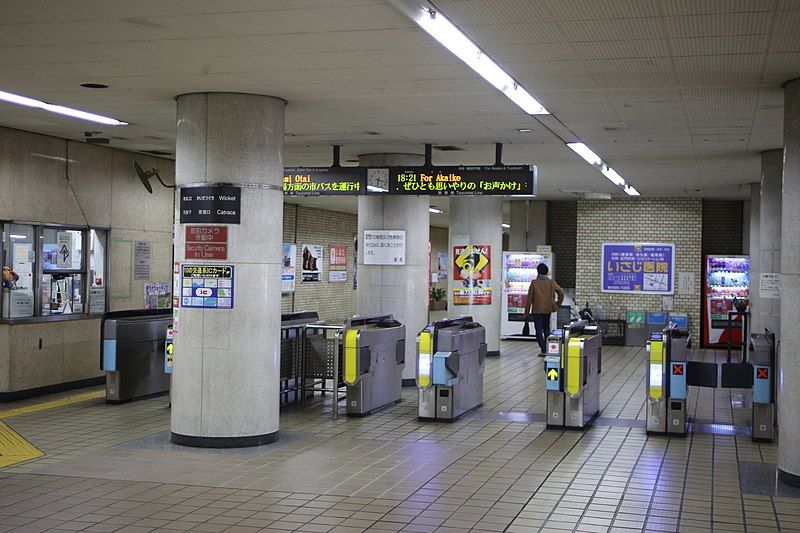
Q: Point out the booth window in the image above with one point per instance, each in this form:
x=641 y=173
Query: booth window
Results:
x=19 y=266
x=53 y=271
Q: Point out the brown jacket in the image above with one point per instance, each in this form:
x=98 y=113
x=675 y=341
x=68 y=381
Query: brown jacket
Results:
x=540 y=296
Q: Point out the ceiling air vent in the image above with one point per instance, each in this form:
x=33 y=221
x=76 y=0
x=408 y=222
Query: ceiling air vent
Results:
x=156 y=152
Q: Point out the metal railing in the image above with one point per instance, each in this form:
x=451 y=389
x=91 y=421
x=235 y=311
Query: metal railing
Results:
x=321 y=356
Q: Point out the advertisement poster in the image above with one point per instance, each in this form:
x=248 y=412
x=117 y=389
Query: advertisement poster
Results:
x=207 y=286
x=337 y=271
x=157 y=296
x=384 y=247
x=289 y=267
x=442 y=265
x=312 y=262
x=472 y=274
x=643 y=268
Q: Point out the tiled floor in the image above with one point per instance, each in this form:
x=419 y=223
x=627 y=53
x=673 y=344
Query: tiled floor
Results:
x=111 y=468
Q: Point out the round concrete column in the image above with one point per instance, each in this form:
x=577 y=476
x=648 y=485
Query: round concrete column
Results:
x=226 y=370
x=477 y=220
x=399 y=290
x=769 y=241
x=755 y=254
x=789 y=360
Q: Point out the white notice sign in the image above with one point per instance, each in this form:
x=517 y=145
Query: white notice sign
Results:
x=384 y=247
x=770 y=285
x=141 y=259
x=686 y=283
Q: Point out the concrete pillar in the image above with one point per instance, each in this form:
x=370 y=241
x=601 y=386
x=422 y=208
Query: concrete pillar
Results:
x=399 y=290
x=226 y=371
x=769 y=312
x=477 y=220
x=789 y=360
x=528 y=225
x=754 y=250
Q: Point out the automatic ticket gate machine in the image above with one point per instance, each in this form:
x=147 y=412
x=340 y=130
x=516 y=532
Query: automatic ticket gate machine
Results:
x=450 y=363
x=762 y=357
x=667 y=367
x=572 y=374
x=374 y=357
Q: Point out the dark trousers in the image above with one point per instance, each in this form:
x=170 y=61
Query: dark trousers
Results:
x=541 y=321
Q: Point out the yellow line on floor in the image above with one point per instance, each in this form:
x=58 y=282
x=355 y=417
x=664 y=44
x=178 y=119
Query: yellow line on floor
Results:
x=14 y=448
x=67 y=400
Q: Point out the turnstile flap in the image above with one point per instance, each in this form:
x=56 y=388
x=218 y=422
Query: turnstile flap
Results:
x=701 y=374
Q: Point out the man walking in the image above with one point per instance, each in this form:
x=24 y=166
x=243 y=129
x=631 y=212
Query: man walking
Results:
x=541 y=302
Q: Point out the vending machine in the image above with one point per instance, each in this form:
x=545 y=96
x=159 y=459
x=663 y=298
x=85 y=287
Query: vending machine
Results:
x=519 y=269
x=725 y=278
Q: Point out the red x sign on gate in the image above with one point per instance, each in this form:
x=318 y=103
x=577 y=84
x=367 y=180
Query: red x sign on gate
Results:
x=762 y=373
x=677 y=370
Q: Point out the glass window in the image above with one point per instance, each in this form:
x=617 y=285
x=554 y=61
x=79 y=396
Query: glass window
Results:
x=19 y=266
x=62 y=249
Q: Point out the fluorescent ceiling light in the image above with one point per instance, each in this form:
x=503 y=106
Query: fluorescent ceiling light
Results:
x=525 y=130
x=605 y=169
x=444 y=31
x=505 y=225
x=373 y=188
x=18 y=236
x=60 y=109
x=435 y=211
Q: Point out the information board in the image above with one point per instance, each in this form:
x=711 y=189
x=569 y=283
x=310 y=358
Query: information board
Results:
x=142 y=253
x=207 y=286
x=312 y=181
x=644 y=268
x=214 y=205
x=463 y=180
x=769 y=285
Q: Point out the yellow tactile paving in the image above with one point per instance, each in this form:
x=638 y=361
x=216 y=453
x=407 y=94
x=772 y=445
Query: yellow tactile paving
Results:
x=68 y=400
x=14 y=448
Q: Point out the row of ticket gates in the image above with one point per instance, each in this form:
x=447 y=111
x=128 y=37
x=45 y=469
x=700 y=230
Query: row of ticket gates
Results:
x=450 y=366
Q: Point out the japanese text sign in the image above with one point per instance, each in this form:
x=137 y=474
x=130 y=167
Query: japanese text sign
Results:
x=207 y=286
x=206 y=242
x=384 y=247
x=638 y=268
x=472 y=274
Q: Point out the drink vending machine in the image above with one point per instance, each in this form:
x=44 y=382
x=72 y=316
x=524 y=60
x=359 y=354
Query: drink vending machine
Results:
x=519 y=269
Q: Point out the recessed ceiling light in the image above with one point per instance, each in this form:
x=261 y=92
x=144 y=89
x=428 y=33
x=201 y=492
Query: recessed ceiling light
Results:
x=59 y=109
x=435 y=211
x=506 y=226
x=525 y=130
x=94 y=85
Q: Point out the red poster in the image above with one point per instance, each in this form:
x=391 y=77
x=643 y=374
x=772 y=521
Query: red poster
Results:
x=472 y=274
x=337 y=271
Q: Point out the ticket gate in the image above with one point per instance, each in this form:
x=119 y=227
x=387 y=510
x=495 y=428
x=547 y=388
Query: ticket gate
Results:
x=762 y=357
x=374 y=357
x=132 y=353
x=667 y=357
x=572 y=374
x=450 y=365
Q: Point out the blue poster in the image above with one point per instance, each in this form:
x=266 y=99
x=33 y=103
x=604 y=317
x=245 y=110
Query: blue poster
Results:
x=638 y=268
x=207 y=286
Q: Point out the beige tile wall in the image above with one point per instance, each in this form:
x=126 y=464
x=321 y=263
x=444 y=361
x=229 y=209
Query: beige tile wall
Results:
x=49 y=180
x=663 y=220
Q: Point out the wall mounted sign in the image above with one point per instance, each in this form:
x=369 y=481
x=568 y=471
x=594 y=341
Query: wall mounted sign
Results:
x=206 y=242
x=157 y=296
x=337 y=264
x=142 y=254
x=465 y=180
x=643 y=268
x=472 y=274
x=207 y=286
x=289 y=272
x=209 y=205
x=310 y=181
x=769 y=285
x=312 y=263
x=64 y=250
x=384 y=247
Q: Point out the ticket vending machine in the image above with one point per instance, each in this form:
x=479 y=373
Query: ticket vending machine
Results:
x=450 y=363
x=572 y=374
x=374 y=357
x=667 y=354
x=762 y=357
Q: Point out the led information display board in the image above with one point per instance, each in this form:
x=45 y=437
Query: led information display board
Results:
x=308 y=181
x=463 y=180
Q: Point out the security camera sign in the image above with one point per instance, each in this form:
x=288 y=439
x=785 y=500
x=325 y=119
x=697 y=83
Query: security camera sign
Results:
x=472 y=274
